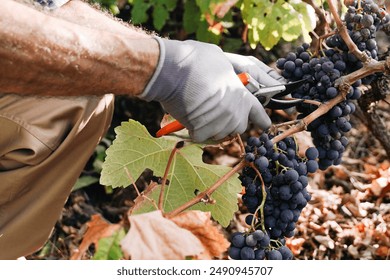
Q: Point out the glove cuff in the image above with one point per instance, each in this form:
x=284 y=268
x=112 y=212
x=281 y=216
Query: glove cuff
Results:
x=148 y=94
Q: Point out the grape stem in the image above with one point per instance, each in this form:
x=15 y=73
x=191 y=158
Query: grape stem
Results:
x=139 y=194
x=264 y=193
x=344 y=34
x=164 y=179
x=207 y=193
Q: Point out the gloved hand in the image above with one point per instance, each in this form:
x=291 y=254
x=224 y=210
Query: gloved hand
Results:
x=258 y=70
x=196 y=83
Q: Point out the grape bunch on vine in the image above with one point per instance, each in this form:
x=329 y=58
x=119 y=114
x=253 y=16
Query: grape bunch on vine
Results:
x=276 y=176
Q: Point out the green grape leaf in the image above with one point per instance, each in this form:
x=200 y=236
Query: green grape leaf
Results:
x=203 y=33
x=292 y=30
x=270 y=29
x=204 y=5
x=84 y=181
x=232 y=44
x=134 y=150
x=191 y=17
x=109 y=247
x=139 y=12
x=160 y=16
x=169 y=4
x=307 y=17
x=269 y=22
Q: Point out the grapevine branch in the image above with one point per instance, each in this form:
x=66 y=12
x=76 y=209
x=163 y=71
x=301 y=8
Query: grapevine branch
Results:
x=344 y=34
x=178 y=146
x=207 y=193
x=344 y=84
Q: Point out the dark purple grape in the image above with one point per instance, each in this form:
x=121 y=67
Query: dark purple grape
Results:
x=286 y=253
x=247 y=253
x=238 y=241
x=312 y=166
x=274 y=255
x=311 y=153
x=234 y=253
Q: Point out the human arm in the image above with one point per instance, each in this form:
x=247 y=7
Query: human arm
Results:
x=69 y=52
x=45 y=54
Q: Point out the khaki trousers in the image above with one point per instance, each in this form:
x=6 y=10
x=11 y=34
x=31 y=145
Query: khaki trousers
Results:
x=44 y=145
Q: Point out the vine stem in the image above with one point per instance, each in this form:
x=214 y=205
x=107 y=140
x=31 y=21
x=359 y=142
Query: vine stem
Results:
x=343 y=84
x=139 y=194
x=344 y=34
x=264 y=192
x=178 y=146
x=205 y=194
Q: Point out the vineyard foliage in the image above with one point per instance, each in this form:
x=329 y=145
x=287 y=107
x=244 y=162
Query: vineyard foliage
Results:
x=261 y=22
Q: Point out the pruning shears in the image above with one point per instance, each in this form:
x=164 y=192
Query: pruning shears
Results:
x=269 y=97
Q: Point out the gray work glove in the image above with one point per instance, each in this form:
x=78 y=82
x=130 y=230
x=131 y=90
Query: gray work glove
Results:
x=261 y=72
x=196 y=83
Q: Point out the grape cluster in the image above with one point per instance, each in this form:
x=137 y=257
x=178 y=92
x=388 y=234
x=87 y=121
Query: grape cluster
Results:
x=275 y=179
x=320 y=74
x=275 y=187
x=257 y=246
x=322 y=71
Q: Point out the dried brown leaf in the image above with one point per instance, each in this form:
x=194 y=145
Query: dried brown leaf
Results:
x=151 y=236
x=200 y=224
x=383 y=251
x=98 y=228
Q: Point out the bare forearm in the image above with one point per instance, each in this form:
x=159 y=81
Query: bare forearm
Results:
x=45 y=55
x=83 y=14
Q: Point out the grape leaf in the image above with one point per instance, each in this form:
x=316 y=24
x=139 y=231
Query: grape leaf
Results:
x=97 y=228
x=205 y=34
x=84 y=181
x=169 y=4
x=307 y=16
x=135 y=149
x=191 y=16
x=204 y=5
x=270 y=29
x=109 y=247
x=154 y=237
x=139 y=11
x=160 y=16
x=269 y=22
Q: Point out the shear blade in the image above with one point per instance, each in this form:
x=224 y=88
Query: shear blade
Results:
x=283 y=104
x=290 y=87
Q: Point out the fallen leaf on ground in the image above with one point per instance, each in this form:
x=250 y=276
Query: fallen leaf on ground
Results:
x=153 y=237
x=383 y=251
x=200 y=224
x=98 y=228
